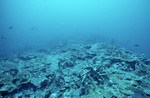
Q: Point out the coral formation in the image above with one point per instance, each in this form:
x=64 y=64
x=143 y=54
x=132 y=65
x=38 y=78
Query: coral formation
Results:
x=76 y=71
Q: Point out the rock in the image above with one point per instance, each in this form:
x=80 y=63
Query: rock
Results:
x=127 y=92
x=13 y=72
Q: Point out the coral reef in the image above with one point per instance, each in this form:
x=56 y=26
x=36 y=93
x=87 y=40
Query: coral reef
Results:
x=76 y=71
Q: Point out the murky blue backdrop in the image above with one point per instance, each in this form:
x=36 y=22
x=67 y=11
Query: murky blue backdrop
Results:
x=30 y=24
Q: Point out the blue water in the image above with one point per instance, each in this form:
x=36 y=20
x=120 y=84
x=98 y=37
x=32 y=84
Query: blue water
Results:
x=32 y=24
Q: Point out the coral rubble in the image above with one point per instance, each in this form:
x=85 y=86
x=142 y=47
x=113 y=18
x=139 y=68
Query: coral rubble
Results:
x=76 y=71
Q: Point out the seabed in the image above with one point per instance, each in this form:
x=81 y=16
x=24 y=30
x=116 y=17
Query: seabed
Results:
x=97 y=70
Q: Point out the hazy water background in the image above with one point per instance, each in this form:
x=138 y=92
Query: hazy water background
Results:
x=30 y=24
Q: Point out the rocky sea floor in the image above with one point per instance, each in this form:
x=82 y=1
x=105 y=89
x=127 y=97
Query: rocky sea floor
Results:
x=76 y=71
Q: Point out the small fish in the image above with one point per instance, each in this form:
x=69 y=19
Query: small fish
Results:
x=11 y=27
x=33 y=28
x=136 y=45
x=3 y=37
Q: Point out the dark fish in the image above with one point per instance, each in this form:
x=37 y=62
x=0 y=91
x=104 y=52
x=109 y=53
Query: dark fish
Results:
x=136 y=45
x=3 y=37
x=33 y=28
x=11 y=27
